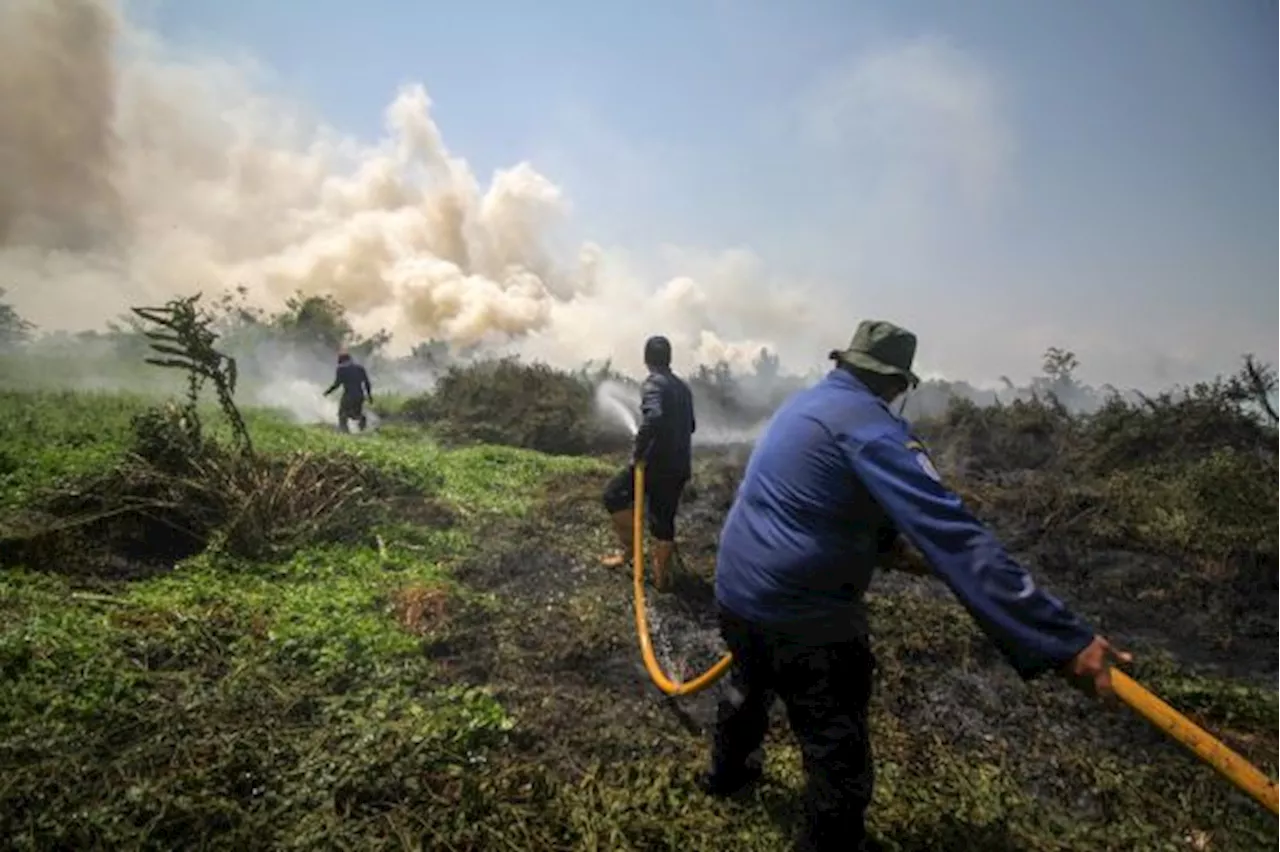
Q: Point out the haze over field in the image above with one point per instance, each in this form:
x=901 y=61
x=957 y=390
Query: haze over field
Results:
x=225 y=623
x=735 y=194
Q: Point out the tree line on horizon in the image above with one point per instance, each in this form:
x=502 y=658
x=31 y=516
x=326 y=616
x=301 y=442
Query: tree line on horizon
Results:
x=309 y=329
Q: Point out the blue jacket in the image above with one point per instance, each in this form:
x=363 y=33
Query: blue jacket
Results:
x=664 y=440
x=832 y=470
x=354 y=381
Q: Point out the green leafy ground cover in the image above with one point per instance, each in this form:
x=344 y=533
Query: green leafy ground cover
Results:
x=455 y=672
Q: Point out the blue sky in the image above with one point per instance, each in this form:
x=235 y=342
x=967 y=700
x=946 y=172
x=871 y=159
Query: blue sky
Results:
x=999 y=176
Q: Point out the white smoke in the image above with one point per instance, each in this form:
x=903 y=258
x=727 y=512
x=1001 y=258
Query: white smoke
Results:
x=129 y=175
x=304 y=400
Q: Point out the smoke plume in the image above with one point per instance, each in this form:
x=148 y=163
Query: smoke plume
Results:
x=129 y=175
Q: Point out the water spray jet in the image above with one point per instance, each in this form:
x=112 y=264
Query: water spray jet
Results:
x=613 y=402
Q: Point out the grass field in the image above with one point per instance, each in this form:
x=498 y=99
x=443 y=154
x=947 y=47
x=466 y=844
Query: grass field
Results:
x=438 y=663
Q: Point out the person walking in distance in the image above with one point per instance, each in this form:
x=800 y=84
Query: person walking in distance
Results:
x=832 y=486
x=664 y=443
x=356 y=389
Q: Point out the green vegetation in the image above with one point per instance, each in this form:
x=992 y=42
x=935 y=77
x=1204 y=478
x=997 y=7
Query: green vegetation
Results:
x=523 y=405
x=249 y=634
x=13 y=328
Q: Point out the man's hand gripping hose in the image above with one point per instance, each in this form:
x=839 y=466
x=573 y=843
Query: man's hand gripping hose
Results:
x=1092 y=672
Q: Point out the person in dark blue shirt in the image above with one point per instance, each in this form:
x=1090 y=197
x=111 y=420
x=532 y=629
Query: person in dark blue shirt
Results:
x=356 y=388
x=832 y=487
x=664 y=443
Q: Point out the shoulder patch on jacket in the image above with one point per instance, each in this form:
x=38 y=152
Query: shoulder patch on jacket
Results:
x=918 y=450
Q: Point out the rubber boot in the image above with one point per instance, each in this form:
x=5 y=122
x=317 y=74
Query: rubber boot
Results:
x=663 y=551
x=622 y=529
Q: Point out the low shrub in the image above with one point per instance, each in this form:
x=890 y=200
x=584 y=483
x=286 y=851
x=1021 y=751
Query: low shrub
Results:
x=504 y=401
x=178 y=492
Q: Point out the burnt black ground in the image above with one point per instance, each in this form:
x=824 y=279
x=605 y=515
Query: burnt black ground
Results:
x=558 y=642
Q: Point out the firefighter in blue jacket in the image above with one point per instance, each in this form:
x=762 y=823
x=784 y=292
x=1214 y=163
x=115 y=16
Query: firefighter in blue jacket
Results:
x=830 y=485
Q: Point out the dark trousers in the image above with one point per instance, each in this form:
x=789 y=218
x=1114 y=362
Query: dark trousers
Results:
x=826 y=687
x=662 y=493
x=351 y=408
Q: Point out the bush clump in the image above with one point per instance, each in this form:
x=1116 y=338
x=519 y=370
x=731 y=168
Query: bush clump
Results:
x=506 y=402
x=1024 y=435
x=1173 y=428
x=1179 y=487
x=177 y=493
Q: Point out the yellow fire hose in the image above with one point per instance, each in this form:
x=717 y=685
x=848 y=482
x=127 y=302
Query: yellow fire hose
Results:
x=663 y=682
x=1235 y=768
x=1239 y=771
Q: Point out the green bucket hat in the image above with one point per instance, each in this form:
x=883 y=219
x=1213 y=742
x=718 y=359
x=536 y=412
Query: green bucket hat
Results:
x=881 y=347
